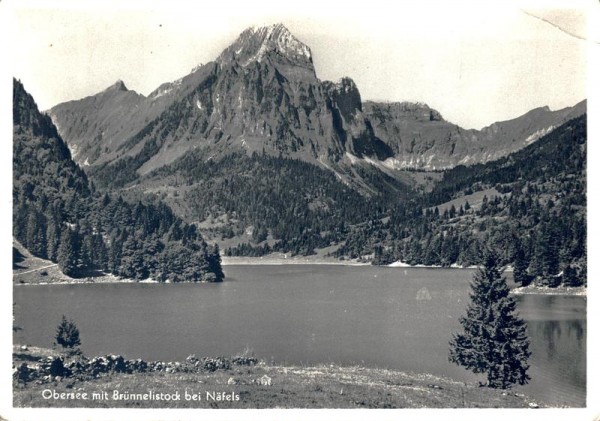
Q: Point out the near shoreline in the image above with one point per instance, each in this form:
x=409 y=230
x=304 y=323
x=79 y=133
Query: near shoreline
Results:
x=248 y=384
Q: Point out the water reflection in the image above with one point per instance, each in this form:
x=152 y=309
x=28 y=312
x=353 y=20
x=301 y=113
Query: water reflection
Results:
x=575 y=327
x=551 y=332
x=558 y=356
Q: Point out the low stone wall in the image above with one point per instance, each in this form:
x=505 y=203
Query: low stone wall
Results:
x=57 y=368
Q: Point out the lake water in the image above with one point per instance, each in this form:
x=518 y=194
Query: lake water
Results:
x=376 y=316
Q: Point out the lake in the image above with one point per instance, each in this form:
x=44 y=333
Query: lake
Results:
x=400 y=318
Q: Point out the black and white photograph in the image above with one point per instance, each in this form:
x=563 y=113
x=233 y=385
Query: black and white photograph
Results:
x=290 y=206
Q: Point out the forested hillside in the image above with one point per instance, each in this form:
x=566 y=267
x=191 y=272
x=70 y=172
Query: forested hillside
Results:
x=58 y=216
x=298 y=206
x=258 y=154
x=530 y=207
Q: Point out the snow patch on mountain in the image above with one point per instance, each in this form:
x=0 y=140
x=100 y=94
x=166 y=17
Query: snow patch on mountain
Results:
x=162 y=92
x=372 y=161
x=165 y=89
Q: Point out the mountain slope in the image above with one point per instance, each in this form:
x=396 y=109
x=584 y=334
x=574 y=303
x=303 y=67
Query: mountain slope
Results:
x=529 y=206
x=57 y=216
x=270 y=203
x=260 y=95
x=97 y=127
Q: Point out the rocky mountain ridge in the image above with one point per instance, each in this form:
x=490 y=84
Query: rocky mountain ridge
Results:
x=421 y=139
x=262 y=95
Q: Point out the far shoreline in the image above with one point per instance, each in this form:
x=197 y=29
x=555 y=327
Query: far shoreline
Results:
x=544 y=290
x=55 y=277
x=295 y=260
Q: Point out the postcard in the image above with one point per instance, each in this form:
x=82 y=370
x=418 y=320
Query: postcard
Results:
x=363 y=209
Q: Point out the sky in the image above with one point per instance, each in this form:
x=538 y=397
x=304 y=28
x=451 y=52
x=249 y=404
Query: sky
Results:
x=475 y=63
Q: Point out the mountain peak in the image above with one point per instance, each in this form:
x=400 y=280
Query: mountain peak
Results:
x=119 y=85
x=275 y=41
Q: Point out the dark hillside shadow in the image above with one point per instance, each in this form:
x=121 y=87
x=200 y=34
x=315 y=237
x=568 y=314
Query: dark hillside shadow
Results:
x=18 y=258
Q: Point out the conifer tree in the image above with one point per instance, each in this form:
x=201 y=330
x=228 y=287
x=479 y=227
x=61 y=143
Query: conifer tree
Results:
x=67 y=253
x=52 y=240
x=520 y=266
x=494 y=340
x=67 y=334
x=570 y=278
x=35 y=239
x=546 y=259
x=214 y=262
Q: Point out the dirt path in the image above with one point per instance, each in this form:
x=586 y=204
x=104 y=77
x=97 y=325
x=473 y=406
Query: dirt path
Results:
x=33 y=270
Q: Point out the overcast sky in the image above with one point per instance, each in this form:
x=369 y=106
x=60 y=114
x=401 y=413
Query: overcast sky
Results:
x=474 y=64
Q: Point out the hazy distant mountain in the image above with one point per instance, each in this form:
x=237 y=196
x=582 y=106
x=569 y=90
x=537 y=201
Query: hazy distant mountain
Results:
x=421 y=138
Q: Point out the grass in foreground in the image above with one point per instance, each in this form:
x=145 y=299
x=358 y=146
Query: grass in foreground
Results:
x=262 y=386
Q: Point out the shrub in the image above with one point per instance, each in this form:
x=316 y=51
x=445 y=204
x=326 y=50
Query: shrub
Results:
x=67 y=334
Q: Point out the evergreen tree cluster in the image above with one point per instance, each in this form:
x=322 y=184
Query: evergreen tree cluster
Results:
x=300 y=206
x=58 y=216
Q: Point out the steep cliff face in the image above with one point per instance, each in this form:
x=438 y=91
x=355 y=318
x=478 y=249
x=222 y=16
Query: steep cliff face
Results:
x=351 y=125
x=270 y=43
x=42 y=164
x=267 y=98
